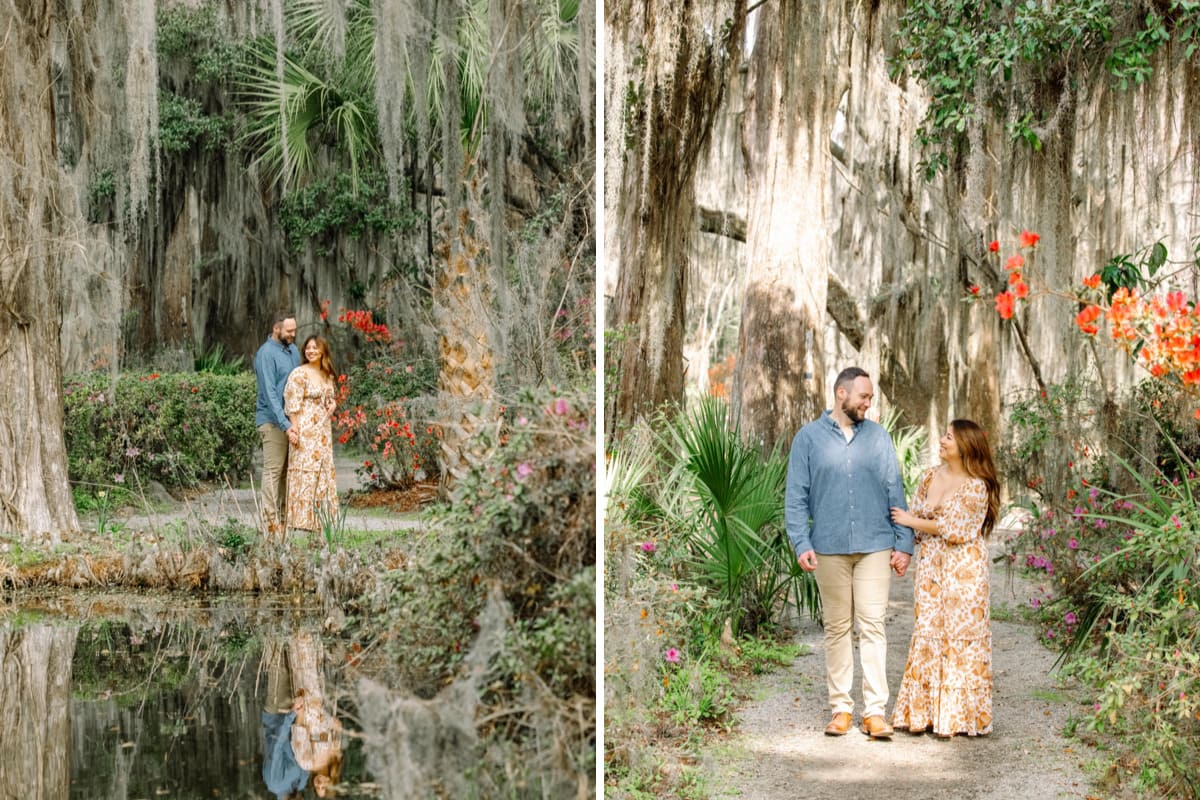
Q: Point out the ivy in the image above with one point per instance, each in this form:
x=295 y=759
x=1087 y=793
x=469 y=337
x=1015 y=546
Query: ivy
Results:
x=998 y=55
x=182 y=123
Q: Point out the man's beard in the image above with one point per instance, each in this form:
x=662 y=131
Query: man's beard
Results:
x=852 y=413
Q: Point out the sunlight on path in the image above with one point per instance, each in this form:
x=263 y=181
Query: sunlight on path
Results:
x=779 y=750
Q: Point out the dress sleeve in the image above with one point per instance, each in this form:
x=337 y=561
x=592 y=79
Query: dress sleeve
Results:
x=293 y=392
x=961 y=520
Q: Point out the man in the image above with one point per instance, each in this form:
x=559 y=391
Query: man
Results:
x=273 y=362
x=843 y=477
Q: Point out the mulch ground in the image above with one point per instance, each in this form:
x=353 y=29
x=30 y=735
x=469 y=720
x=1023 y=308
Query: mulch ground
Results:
x=399 y=500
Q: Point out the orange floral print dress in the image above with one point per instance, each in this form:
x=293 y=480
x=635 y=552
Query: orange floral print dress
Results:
x=947 y=682
x=311 y=481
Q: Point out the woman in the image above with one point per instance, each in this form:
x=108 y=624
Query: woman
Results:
x=308 y=401
x=947 y=683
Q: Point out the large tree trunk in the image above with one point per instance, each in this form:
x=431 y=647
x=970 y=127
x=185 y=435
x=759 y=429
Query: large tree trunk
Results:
x=35 y=720
x=39 y=218
x=667 y=66
x=798 y=75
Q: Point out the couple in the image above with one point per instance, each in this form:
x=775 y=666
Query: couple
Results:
x=848 y=522
x=293 y=412
x=302 y=738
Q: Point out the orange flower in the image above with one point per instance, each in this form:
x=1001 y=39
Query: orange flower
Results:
x=1092 y=282
x=1022 y=290
x=1028 y=239
x=1014 y=262
x=1086 y=320
x=1004 y=305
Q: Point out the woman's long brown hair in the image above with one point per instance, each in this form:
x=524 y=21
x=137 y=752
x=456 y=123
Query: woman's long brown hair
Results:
x=977 y=461
x=326 y=361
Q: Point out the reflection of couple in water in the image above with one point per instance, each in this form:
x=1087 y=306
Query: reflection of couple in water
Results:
x=302 y=737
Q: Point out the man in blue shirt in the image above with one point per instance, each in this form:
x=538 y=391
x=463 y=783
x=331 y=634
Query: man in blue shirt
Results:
x=273 y=362
x=843 y=477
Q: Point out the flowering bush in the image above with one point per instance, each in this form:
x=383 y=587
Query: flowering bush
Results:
x=174 y=428
x=385 y=408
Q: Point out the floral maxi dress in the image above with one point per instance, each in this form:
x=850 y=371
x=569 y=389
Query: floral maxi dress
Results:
x=947 y=682
x=311 y=481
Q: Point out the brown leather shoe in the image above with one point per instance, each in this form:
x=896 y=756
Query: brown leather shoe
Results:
x=876 y=727
x=839 y=725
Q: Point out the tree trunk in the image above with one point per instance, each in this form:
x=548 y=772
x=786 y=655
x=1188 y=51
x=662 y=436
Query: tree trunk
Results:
x=797 y=77
x=38 y=220
x=35 y=720
x=666 y=72
x=462 y=308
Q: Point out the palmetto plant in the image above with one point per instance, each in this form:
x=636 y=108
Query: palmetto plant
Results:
x=738 y=544
x=325 y=89
x=910 y=443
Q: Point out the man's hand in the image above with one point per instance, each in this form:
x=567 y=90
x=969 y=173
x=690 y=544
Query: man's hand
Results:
x=900 y=563
x=293 y=435
x=807 y=560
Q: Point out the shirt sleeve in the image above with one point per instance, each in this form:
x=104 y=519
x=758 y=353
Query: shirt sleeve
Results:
x=894 y=484
x=962 y=518
x=797 y=514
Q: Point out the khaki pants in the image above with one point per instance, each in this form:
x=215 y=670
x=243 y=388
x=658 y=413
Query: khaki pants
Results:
x=854 y=591
x=274 y=479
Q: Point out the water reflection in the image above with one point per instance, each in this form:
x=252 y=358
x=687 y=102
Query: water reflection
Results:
x=198 y=703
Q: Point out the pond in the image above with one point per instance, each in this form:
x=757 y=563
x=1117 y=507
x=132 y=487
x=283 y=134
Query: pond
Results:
x=150 y=697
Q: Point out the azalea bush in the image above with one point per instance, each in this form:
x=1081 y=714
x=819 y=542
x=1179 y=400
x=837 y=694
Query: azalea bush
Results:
x=175 y=428
x=1113 y=529
x=385 y=401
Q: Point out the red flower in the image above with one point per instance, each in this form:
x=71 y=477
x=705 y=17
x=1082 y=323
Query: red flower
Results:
x=1004 y=305
x=1022 y=290
x=1093 y=282
x=974 y=290
x=1028 y=239
x=1014 y=262
x=994 y=246
x=1086 y=320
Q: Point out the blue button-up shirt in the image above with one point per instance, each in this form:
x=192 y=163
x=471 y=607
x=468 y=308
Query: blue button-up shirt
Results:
x=840 y=493
x=272 y=364
x=280 y=771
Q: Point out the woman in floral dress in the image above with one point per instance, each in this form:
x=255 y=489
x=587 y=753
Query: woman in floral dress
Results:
x=308 y=401
x=947 y=684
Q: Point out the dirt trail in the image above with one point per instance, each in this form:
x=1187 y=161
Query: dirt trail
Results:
x=778 y=749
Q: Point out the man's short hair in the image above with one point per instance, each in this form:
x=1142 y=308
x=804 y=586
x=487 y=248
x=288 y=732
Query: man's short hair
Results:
x=848 y=376
x=279 y=317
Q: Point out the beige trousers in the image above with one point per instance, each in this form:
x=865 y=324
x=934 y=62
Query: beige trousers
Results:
x=274 y=479
x=854 y=591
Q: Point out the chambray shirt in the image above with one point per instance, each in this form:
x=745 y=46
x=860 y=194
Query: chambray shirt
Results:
x=840 y=494
x=272 y=364
x=280 y=771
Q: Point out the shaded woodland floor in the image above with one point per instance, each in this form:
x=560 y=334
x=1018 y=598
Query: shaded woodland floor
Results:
x=777 y=748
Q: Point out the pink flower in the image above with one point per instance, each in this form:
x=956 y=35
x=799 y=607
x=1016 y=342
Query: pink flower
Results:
x=524 y=470
x=560 y=407
x=648 y=547
x=675 y=588
x=1070 y=618
x=672 y=655
x=1073 y=543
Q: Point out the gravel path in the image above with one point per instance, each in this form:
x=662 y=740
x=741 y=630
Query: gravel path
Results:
x=778 y=749
x=241 y=504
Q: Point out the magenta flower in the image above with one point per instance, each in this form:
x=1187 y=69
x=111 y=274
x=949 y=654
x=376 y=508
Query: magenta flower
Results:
x=1073 y=543
x=672 y=655
x=1035 y=602
x=1070 y=618
x=648 y=547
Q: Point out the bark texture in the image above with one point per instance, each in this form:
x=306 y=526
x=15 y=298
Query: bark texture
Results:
x=35 y=721
x=797 y=76
x=39 y=224
x=666 y=71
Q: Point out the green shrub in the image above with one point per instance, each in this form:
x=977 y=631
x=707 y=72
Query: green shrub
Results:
x=174 y=428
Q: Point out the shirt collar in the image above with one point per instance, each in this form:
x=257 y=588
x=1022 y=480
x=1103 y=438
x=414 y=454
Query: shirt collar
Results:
x=833 y=423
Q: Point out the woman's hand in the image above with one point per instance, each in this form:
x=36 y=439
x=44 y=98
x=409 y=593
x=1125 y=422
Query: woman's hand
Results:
x=902 y=517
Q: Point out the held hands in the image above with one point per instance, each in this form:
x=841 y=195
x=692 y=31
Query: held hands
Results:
x=293 y=435
x=899 y=562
